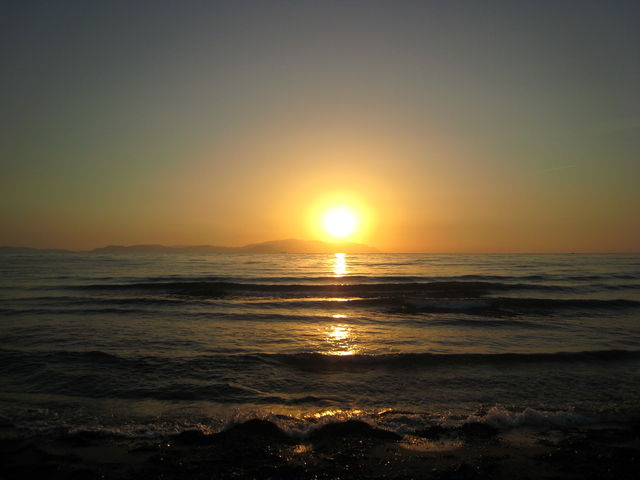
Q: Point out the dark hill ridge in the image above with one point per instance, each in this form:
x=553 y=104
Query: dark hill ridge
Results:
x=8 y=249
x=274 y=246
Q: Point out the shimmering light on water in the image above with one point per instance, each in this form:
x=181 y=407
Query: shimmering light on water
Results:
x=339 y=333
x=336 y=412
x=341 y=340
x=300 y=449
x=340 y=265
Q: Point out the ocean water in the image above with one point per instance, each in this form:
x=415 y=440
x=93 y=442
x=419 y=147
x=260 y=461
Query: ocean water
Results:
x=154 y=344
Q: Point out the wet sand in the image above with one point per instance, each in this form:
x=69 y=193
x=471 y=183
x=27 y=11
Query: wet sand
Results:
x=348 y=450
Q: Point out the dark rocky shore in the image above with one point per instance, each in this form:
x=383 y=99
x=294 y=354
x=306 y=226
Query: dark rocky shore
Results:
x=258 y=449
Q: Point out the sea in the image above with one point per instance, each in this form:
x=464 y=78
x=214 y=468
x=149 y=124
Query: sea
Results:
x=151 y=345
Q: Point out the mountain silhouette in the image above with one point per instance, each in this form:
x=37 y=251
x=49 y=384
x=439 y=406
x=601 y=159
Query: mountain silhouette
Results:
x=274 y=246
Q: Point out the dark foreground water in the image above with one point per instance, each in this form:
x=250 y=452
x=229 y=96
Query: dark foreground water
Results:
x=155 y=344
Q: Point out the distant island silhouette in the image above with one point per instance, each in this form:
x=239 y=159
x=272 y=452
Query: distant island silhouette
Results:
x=274 y=246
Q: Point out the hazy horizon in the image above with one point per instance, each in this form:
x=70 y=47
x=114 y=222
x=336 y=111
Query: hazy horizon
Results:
x=97 y=247
x=466 y=127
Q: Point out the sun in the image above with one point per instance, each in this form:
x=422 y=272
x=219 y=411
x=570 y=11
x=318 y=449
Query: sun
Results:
x=340 y=222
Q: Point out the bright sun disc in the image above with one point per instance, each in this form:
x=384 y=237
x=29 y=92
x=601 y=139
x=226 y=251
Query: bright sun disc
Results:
x=340 y=222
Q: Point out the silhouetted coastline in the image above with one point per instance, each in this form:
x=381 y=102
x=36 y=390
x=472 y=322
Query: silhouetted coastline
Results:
x=273 y=246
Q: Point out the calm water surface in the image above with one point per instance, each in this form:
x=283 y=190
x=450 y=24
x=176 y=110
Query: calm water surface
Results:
x=149 y=344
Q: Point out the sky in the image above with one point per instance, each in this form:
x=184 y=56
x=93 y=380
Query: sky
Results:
x=447 y=126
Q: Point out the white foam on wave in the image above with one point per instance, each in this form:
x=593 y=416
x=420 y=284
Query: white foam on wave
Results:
x=301 y=423
x=499 y=417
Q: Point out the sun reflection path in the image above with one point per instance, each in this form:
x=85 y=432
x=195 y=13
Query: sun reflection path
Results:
x=339 y=332
x=340 y=265
x=340 y=339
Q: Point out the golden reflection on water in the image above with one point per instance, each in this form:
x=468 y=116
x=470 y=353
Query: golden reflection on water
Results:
x=300 y=449
x=339 y=332
x=340 y=339
x=336 y=412
x=340 y=265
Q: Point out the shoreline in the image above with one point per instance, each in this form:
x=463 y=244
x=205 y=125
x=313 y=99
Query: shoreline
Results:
x=349 y=449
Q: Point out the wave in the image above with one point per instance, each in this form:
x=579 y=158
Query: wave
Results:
x=77 y=311
x=443 y=289
x=313 y=380
x=310 y=359
x=546 y=277
x=418 y=360
x=513 y=305
x=311 y=279
x=152 y=313
x=385 y=423
x=318 y=308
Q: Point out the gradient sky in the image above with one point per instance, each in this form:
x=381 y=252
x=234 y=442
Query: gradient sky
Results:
x=452 y=126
